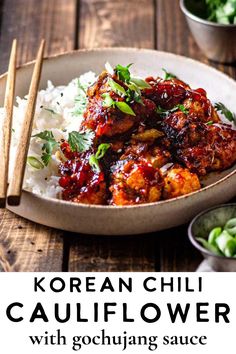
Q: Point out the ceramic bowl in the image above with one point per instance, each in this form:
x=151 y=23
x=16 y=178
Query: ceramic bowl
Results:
x=202 y=224
x=109 y=220
x=217 y=41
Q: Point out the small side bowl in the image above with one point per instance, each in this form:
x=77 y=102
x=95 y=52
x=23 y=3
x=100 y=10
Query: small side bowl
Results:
x=217 y=41
x=202 y=224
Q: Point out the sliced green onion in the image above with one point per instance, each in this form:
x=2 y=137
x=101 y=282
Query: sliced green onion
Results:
x=35 y=163
x=208 y=246
x=213 y=235
x=224 y=243
x=142 y=84
x=125 y=108
x=230 y=226
x=107 y=100
x=116 y=87
x=93 y=161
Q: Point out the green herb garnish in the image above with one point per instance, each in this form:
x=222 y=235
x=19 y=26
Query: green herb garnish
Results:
x=221 y=11
x=122 y=106
x=221 y=241
x=49 y=145
x=140 y=83
x=125 y=108
x=34 y=162
x=116 y=87
x=80 y=141
x=123 y=72
x=168 y=75
x=225 y=111
x=94 y=159
x=183 y=109
x=165 y=112
x=210 y=122
x=80 y=100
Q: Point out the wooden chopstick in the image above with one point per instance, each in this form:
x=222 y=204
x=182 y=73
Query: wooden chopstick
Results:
x=16 y=180
x=5 y=133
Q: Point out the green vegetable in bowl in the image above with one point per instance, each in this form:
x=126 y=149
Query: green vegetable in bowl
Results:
x=221 y=11
x=221 y=242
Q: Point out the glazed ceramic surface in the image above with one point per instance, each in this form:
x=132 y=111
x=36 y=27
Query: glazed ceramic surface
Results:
x=107 y=220
x=201 y=227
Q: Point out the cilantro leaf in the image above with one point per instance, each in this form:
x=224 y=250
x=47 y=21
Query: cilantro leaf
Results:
x=49 y=145
x=45 y=135
x=46 y=157
x=123 y=72
x=80 y=142
x=94 y=159
x=134 y=94
x=168 y=75
x=219 y=106
x=166 y=112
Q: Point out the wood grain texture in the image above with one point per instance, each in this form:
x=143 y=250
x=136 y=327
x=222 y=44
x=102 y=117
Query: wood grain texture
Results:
x=105 y=23
x=31 y=20
x=114 y=253
x=26 y=246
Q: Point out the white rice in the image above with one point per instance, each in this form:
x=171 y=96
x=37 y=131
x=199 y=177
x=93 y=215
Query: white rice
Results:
x=67 y=104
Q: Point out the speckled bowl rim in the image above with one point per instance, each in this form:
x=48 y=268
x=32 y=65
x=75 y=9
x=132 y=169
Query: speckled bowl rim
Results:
x=192 y=238
x=115 y=207
x=195 y=18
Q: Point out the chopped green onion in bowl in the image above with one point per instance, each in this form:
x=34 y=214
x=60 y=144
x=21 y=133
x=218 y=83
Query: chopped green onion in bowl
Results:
x=221 y=241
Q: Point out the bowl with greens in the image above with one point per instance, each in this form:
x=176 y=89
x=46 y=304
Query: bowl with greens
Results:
x=213 y=233
x=213 y=25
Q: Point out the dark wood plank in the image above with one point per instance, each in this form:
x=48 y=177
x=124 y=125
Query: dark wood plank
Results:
x=26 y=246
x=31 y=20
x=106 y=23
x=176 y=253
x=113 y=253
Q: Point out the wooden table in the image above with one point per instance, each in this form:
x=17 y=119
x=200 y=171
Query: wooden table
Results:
x=73 y=24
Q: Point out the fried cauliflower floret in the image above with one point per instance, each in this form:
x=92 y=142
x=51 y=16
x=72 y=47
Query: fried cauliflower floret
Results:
x=157 y=156
x=179 y=181
x=223 y=145
x=79 y=181
x=135 y=182
x=201 y=108
x=166 y=93
x=109 y=121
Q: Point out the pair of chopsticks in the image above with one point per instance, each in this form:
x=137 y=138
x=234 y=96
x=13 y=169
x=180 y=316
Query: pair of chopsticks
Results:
x=12 y=193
